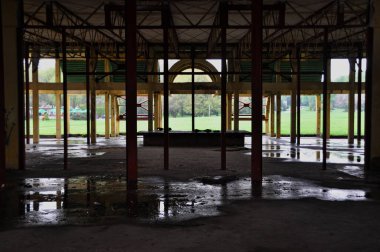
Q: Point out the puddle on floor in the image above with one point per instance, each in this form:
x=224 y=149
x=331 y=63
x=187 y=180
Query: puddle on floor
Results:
x=86 y=200
x=353 y=170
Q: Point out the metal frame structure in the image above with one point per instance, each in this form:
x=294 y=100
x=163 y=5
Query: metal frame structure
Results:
x=153 y=30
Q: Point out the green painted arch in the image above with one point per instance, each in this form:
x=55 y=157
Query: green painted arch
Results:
x=202 y=65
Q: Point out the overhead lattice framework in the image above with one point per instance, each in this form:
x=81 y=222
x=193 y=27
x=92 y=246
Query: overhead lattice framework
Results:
x=287 y=25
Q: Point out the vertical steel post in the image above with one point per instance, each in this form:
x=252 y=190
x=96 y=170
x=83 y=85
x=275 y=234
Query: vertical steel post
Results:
x=359 y=114
x=165 y=24
x=223 y=36
x=368 y=100
x=326 y=58
x=131 y=91
x=65 y=108
x=257 y=90
x=88 y=95
x=20 y=80
x=2 y=103
x=298 y=55
x=27 y=88
x=192 y=90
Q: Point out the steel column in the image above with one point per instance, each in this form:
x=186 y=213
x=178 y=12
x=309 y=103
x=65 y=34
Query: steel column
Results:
x=257 y=90
x=131 y=91
x=298 y=55
x=2 y=104
x=27 y=89
x=165 y=24
x=326 y=58
x=65 y=108
x=88 y=129
x=192 y=90
x=359 y=91
x=368 y=99
x=20 y=84
x=223 y=36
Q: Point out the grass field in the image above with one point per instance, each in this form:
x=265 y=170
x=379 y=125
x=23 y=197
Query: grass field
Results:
x=339 y=124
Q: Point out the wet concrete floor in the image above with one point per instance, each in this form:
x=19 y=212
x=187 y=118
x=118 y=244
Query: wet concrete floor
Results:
x=310 y=150
x=102 y=199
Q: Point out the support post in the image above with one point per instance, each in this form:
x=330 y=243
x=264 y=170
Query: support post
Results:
x=20 y=84
x=351 y=103
x=65 y=99
x=157 y=110
x=229 y=111
x=328 y=100
x=68 y=106
x=165 y=24
x=58 y=115
x=278 y=101
x=88 y=113
x=272 y=133
x=236 y=109
x=293 y=103
x=117 y=117
x=131 y=92
x=13 y=98
x=372 y=102
x=359 y=113
x=223 y=35
x=27 y=94
x=318 y=105
x=192 y=90
x=58 y=102
x=113 y=116
x=107 y=115
x=257 y=90
x=2 y=104
x=150 y=109
x=92 y=67
x=298 y=55
x=267 y=111
x=36 y=101
x=326 y=72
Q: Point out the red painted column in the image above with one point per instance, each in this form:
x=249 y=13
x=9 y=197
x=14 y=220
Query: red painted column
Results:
x=223 y=36
x=257 y=90
x=65 y=108
x=165 y=24
x=27 y=88
x=359 y=102
x=326 y=77
x=131 y=91
x=88 y=130
x=298 y=55
x=2 y=105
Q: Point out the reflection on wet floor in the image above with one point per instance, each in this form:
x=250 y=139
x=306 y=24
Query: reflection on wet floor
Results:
x=310 y=149
x=339 y=152
x=85 y=200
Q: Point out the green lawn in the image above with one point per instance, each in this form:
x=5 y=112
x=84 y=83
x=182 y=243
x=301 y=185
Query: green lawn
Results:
x=339 y=121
